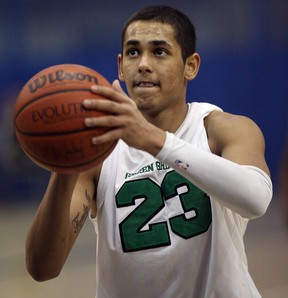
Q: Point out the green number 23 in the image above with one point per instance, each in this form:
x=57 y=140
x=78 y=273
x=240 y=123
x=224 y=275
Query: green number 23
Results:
x=192 y=200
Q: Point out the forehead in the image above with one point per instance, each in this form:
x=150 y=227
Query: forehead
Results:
x=145 y=31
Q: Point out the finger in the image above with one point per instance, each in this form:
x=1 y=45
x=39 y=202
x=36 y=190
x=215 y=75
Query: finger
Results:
x=115 y=93
x=97 y=104
x=110 y=136
x=104 y=121
x=106 y=106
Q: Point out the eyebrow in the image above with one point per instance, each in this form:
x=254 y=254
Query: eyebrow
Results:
x=135 y=42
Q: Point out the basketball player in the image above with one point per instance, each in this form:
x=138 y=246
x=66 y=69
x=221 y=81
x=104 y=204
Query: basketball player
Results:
x=171 y=203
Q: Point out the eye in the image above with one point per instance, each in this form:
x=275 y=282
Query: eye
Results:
x=160 y=52
x=133 y=53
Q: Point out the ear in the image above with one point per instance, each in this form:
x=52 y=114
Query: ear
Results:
x=192 y=65
x=120 y=69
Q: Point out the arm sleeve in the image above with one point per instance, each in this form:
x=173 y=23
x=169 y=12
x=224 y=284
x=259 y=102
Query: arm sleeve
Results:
x=246 y=190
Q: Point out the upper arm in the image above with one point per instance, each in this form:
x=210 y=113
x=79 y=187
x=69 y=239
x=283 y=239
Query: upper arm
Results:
x=236 y=138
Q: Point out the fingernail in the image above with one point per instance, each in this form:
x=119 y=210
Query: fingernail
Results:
x=94 y=87
x=95 y=141
x=87 y=103
x=88 y=121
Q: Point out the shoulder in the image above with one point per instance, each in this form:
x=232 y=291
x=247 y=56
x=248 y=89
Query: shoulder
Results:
x=222 y=119
x=224 y=128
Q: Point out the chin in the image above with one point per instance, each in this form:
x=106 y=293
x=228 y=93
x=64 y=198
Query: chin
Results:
x=145 y=105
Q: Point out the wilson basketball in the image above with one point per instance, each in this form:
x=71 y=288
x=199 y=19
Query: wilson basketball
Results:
x=49 y=119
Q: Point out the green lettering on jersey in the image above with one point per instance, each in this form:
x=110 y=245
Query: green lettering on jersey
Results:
x=139 y=231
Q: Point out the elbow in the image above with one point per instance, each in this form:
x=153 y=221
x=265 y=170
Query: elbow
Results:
x=39 y=272
x=40 y=275
x=262 y=193
x=250 y=208
x=256 y=211
x=258 y=207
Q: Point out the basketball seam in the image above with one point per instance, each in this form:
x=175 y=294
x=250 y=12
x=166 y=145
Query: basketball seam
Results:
x=72 y=165
x=51 y=134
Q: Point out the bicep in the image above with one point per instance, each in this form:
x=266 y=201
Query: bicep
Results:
x=81 y=202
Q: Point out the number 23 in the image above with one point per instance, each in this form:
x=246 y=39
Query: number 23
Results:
x=192 y=199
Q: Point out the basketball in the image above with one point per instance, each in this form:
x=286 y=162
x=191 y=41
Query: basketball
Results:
x=49 y=119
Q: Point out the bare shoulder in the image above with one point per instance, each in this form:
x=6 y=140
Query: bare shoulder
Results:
x=236 y=137
x=221 y=123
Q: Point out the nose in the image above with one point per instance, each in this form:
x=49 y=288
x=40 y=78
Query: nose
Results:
x=144 y=64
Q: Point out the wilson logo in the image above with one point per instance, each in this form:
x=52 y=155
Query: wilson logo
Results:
x=60 y=76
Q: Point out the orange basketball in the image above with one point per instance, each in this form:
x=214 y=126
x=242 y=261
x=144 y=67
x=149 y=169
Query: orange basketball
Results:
x=49 y=119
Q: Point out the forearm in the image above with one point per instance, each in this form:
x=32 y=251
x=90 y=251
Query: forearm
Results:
x=48 y=242
x=243 y=189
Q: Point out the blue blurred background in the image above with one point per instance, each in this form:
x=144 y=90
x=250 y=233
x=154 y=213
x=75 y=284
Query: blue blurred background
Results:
x=243 y=45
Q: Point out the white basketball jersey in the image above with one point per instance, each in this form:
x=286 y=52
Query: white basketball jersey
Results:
x=159 y=236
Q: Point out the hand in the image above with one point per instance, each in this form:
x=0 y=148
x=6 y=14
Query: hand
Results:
x=124 y=119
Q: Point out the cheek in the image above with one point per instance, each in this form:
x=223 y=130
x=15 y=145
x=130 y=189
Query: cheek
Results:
x=130 y=72
x=174 y=78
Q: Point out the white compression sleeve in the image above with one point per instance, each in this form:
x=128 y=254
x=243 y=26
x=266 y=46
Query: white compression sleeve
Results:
x=246 y=190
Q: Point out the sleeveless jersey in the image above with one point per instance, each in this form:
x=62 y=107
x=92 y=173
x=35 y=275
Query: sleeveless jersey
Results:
x=159 y=236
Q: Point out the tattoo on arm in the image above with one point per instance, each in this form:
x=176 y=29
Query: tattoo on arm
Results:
x=80 y=219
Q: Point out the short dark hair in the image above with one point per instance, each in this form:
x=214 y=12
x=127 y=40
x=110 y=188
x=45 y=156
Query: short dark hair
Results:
x=184 y=29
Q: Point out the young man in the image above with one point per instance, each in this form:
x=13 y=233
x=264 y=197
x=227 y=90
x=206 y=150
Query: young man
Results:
x=172 y=201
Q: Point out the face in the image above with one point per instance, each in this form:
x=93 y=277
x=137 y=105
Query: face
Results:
x=152 y=66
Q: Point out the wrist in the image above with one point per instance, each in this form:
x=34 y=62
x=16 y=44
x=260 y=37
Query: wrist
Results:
x=156 y=141
x=64 y=181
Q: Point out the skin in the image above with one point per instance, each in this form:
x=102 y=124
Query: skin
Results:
x=156 y=79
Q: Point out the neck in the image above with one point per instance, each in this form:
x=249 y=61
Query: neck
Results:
x=168 y=120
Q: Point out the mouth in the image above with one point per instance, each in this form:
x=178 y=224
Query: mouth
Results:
x=145 y=84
